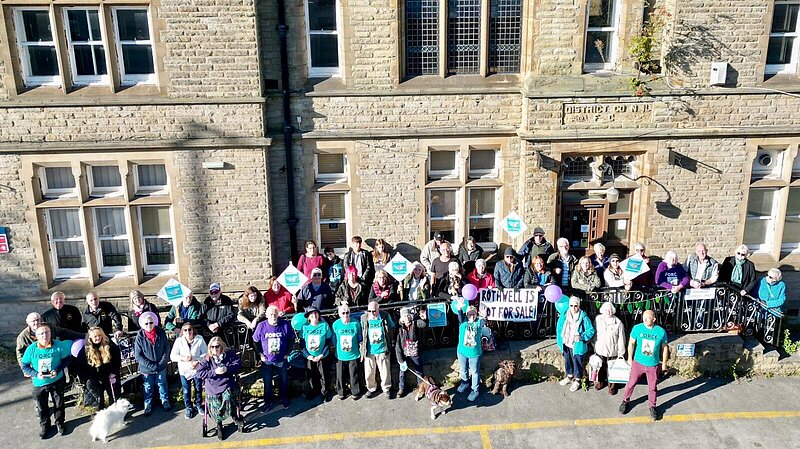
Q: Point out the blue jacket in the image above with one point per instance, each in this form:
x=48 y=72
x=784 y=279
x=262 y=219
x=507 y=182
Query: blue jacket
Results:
x=505 y=278
x=585 y=329
x=218 y=383
x=152 y=359
x=773 y=295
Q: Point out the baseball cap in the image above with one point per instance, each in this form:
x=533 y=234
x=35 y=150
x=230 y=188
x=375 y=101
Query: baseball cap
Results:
x=316 y=270
x=214 y=287
x=438 y=236
x=538 y=231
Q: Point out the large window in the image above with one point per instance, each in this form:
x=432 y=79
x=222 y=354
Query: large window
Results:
x=332 y=213
x=322 y=37
x=134 y=45
x=113 y=240
x=476 y=44
x=602 y=22
x=87 y=53
x=67 y=245
x=157 y=243
x=37 y=48
x=332 y=198
x=783 y=38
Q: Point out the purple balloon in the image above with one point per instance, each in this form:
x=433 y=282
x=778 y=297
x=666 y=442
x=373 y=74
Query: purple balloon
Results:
x=77 y=345
x=552 y=293
x=469 y=292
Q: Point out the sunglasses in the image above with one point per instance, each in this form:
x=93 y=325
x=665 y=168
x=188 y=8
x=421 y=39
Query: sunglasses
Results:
x=316 y=275
x=741 y=254
x=148 y=323
x=574 y=305
x=188 y=330
x=344 y=313
x=214 y=346
x=372 y=310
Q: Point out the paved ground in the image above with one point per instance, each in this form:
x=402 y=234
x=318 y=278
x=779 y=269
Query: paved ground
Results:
x=707 y=413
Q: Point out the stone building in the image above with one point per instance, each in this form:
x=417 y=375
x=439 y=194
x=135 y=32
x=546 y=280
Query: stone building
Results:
x=142 y=140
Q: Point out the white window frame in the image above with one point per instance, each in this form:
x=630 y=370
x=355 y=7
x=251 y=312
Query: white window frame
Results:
x=157 y=269
x=779 y=69
x=86 y=79
x=445 y=174
x=103 y=191
x=124 y=270
x=457 y=237
x=791 y=247
x=65 y=273
x=330 y=177
x=56 y=193
x=23 y=45
x=324 y=72
x=614 y=39
x=479 y=174
x=149 y=190
x=345 y=221
x=494 y=215
x=126 y=79
x=769 y=240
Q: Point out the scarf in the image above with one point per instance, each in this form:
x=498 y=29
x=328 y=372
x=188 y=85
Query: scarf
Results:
x=151 y=336
x=570 y=328
x=736 y=274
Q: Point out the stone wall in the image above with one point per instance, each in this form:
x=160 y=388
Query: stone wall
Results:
x=18 y=278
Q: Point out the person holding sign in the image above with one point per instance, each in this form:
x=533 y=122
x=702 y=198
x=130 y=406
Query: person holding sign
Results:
x=347 y=334
x=276 y=337
x=469 y=350
x=614 y=275
x=188 y=311
x=647 y=341
x=316 y=336
x=645 y=279
x=377 y=328
x=574 y=330
x=417 y=285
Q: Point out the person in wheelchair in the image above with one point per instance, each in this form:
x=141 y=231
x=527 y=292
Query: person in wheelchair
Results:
x=219 y=369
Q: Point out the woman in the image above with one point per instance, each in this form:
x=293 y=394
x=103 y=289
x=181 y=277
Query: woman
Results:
x=407 y=347
x=537 y=276
x=599 y=259
x=573 y=332
x=440 y=265
x=218 y=369
x=585 y=278
x=609 y=343
x=188 y=311
x=739 y=271
x=772 y=290
x=138 y=306
x=417 y=285
x=352 y=291
x=479 y=277
x=613 y=275
x=468 y=253
x=469 y=350
x=509 y=273
x=276 y=294
x=311 y=259
x=670 y=274
x=100 y=364
x=450 y=285
x=380 y=254
x=188 y=350
x=335 y=271
x=252 y=308
x=317 y=337
x=152 y=354
x=384 y=289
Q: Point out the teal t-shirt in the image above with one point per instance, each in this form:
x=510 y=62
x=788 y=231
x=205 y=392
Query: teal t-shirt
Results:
x=316 y=337
x=469 y=338
x=377 y=338
x=648 y=344
x=347 y=337
x=48 y=359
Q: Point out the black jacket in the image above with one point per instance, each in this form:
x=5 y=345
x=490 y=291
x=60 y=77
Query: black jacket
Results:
x=223 y=314
x=68 y=317
x=106 y=317
x=748 y=273
x=412 y=335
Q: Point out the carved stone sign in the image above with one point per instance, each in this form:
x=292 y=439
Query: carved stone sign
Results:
x=591 y=113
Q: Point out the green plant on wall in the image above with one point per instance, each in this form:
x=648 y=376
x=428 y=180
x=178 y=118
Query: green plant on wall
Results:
x=790 y=346
x=644 y=50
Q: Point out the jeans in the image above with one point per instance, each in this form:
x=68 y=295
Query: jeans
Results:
x=42 y=395
x=267 y=369
x=637 y=369
x=186 y=385
x=470 y=367
x=573 y=364
x=414 y=363
x=160 y=379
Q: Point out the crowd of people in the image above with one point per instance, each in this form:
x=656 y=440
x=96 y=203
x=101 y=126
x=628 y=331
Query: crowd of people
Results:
x=65 y=341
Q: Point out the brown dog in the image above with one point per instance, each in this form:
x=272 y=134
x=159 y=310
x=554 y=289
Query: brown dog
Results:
x=438 y=398
x=503 y=376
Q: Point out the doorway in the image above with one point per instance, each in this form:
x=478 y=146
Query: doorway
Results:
x=586 y=220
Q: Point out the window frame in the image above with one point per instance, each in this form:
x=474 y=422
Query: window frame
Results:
x=100 y=192
x=769 y=239
x=157 y=269
x=444 y=174
x=124 y=78
x=330 y=177
x=344 y=221
x=112 y=271
x=610 y=64
x=141 y=190
x=324 y=72
x=57 y=193
x=483 y=173
x=86 y=80
x=28 y=79
x=454 y=217
x=791 y=67
x=65 y=273
x=495 y=215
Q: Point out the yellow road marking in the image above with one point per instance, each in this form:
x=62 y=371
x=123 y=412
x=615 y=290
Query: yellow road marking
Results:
x=484 y=429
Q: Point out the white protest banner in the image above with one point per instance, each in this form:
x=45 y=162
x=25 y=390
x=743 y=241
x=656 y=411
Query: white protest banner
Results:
x=513 y=225
x=633 y=266
x=293 y=279
x=173 y=292
x=509 y=304
x=399 y=267
x=699 y=293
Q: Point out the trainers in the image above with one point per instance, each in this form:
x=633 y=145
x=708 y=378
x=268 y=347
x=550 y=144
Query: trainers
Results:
x=188 y=413
x=653 y=414
x=575 y=386
x=472 y=396
x=565 y=381
x=372 y=394
x=462 y=387
x=623 y=408
x=200 y=410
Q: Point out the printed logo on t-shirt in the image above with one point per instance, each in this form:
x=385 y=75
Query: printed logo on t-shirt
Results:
x=45 y=365
x=375 y=335
x=470 y=337
x=346 y=342
x=274 y=345
x=648 y=347
x=313 y=342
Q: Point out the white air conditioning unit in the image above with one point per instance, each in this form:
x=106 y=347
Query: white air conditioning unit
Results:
x=719 y=73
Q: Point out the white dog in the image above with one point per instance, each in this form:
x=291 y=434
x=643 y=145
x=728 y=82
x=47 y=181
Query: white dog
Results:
x=107 y=421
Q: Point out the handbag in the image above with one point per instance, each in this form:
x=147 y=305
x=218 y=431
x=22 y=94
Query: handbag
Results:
x=618 y=371
x=487 y=339
x=595 y=364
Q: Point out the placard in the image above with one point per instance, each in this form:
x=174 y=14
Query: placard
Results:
x=685 y=350
x=293 y=279
x=509 y=304
x=399 y=267
x=633 y=266
x=173 y=292
x=513 y=225
x=437 y=315
x=699 y=293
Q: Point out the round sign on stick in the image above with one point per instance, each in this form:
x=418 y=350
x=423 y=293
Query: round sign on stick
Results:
x=553 y=293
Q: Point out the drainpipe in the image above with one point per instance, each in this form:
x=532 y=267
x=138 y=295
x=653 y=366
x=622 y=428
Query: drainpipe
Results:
x=287 y=128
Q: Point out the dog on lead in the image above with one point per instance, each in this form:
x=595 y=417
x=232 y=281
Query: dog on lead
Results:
x=503 y=376
x=438 y=398
x=109 y=420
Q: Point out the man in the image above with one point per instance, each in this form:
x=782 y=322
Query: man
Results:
x=102 y=314
x=431 y=251
x=347 y=336
x=219 y=311
x=63 y=315
x=647 y=279
x=44 y=363
x=316 y=337
x=535 y=246
x=703 y=270
x=376 y=327
x=646 y=343
x=277 y=339
x=361 y=259
x=562 y=264
x=28 y=335
x=316 y=293
x=509 y=273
